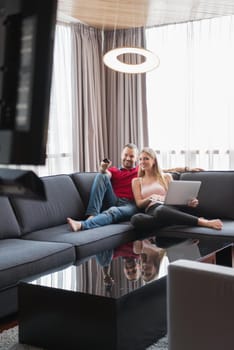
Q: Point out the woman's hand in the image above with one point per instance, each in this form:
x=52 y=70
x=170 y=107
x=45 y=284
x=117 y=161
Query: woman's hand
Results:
x=156 y=198
x=193 y=203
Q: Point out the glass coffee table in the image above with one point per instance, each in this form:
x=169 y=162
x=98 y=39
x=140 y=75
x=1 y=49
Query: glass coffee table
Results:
x=116 y=300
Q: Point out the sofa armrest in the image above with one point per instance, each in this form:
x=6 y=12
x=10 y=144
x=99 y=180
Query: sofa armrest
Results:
x=200 y=306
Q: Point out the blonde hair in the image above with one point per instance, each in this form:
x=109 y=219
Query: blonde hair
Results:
x=155 y=259
x=157 y=172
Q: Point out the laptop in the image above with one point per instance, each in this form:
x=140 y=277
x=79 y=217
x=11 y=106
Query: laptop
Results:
x=181 y=191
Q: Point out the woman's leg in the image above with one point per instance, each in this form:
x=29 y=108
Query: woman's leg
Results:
x=172 y=216
x=142 y=221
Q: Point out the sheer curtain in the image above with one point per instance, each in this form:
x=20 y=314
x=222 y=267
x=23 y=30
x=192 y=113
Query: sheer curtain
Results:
x=190 y=97
x=59 y=145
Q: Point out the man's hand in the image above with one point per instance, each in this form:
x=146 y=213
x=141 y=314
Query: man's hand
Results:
x=104 y=166
x=195 y=169
x=183 y=169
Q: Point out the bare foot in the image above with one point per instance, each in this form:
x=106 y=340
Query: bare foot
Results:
x=215 y=223
x=75 y=225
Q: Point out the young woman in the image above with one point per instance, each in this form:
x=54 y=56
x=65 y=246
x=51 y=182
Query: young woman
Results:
x=151 y=258
x=151 y=186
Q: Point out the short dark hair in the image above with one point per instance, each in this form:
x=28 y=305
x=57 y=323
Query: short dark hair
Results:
x=131 y=146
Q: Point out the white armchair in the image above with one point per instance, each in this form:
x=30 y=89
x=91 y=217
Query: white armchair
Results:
x=200 y=306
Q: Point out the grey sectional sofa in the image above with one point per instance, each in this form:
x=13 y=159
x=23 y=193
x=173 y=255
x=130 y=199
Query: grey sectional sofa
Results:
x=35 y=238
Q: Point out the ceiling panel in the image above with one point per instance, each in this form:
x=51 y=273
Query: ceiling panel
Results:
x=113 y=14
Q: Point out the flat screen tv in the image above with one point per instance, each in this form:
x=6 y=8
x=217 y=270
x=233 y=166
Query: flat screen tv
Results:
x=27 y=30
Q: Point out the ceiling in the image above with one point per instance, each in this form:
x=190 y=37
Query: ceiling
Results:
x=116 y=14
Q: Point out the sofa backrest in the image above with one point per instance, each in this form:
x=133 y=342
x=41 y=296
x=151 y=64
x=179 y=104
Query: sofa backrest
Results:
x=63 y=200
x=216 y=195
x=9 y=227
x=83 y=182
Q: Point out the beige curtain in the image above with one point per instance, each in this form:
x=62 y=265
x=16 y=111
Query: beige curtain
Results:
x=108 y=108
x=126 y=96
x=88 y=99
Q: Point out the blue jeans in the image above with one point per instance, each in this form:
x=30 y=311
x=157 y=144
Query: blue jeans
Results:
x=102 y=197
x=104 y=258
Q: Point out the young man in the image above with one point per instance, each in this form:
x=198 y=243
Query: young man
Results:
x=111 y=191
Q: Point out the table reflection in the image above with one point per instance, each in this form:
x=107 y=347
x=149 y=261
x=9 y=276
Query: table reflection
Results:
x=141 y=260
x=112 y=273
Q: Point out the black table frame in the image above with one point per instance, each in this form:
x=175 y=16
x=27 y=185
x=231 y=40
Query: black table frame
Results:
x=53 y=318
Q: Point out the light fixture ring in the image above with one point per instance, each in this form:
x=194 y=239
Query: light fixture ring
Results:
x=111 y=60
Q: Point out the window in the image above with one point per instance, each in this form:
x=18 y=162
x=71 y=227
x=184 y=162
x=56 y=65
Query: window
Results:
x=190 y=97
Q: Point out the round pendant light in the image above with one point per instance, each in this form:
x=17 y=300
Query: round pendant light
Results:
x=111 y=60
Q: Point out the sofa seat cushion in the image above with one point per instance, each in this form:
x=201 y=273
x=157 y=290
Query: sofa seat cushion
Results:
x=88 y=242
x=63 y=200
x=20 y=259
x=9 y=227
x=198 y=232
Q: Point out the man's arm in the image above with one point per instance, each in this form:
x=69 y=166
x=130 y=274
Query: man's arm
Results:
x=182 y=170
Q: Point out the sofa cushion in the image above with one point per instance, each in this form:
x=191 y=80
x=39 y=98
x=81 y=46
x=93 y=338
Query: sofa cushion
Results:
x=88 y=242
x=63 y=200
x=216 y=195
x=198 y=232
x=20 y=258
x=83 y=182
x=9 y=227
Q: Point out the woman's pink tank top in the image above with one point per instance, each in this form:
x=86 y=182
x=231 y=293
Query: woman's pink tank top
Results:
x=154 y=188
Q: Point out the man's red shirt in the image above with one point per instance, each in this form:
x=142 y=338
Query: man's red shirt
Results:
x=125 y=251
x=122 y=181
